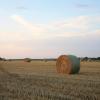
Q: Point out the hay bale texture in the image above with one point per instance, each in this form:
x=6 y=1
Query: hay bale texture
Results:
x=68 y=64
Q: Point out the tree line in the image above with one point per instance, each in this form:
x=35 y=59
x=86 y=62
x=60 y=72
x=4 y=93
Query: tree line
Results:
x=50 y=59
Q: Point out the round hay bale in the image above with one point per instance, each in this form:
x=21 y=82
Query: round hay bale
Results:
x=68 y=64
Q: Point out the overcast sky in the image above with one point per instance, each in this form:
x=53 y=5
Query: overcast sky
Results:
x=49 y=28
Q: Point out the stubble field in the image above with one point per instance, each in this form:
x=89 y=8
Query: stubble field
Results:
x=38 y=80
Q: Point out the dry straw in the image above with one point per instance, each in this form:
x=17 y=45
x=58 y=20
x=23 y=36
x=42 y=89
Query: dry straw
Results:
x=68 y=64
x=3 y=70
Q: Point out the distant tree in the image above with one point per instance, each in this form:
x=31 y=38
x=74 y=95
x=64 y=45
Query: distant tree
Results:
x=2 y=59
x=27 y=59
x=98 y=58
x=85 y=59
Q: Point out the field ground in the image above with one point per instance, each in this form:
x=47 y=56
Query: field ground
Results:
x=38 y=80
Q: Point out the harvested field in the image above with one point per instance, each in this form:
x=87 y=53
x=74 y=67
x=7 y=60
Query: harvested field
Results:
x=38 y=80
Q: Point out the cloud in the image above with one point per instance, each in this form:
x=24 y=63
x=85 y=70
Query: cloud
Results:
x=35 y=29
x=50 y=30
x=71 y=27
x=78 y=35
x=21 y=8
x=82 y=5
x=98 y=31
x=79 y=22
x=77 y=26
x=11 y=50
